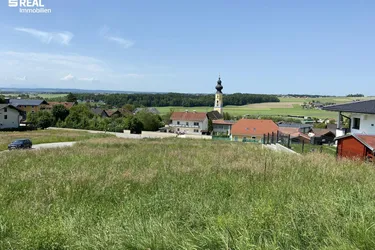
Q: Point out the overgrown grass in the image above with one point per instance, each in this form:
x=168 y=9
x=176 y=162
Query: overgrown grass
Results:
x=180 y=194
x=308 y=148
x=47 y=136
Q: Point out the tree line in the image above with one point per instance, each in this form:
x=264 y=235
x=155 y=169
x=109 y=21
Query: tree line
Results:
x=175 y=99
x=81 y=117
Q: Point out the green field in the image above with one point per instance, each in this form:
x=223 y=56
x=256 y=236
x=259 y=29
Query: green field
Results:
x=42 y=95
x=182 y=194
x=286 y=106
x=47 y=136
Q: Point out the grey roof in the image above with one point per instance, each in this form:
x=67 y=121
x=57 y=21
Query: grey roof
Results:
x=214 y=115
x=97 y=111
x=26 y=102
x=10 y=106
x=150 y=110
x=294 y=125
x=364 y=107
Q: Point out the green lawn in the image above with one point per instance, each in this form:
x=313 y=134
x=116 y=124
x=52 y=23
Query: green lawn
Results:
x=183 y=194
x=47 y=136
x=246 y=110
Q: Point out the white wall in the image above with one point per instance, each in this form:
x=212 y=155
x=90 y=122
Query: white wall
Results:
x=13 y=119
x=367 y=124
x=202 y=125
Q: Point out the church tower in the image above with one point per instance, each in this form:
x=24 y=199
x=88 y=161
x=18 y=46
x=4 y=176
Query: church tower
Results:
x=219 y=97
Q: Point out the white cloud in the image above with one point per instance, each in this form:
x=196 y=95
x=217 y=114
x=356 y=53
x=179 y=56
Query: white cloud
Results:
x=105 y=32
x=123 y=42
x=62 y=38
x=69 y=77
x=18 y=78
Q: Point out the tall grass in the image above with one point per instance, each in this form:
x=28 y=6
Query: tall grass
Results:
x=180 y=194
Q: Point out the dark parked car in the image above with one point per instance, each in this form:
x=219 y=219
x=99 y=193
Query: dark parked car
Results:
x=20 y=144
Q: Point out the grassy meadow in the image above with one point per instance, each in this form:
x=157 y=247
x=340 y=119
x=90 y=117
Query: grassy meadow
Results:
x=47 y=136
x=112 y=193
x=286 y=106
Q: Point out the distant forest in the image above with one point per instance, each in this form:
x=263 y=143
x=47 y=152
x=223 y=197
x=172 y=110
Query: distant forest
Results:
x=175 y=99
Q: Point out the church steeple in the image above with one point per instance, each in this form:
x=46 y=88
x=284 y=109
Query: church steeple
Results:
x=219 y=97
x=219 y=87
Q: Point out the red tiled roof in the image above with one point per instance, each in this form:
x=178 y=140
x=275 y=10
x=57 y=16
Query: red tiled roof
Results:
x=188 y=116
x=254 y=127
x=367 y=139
x=67 y=105
x=223 y=122
x=288 y=130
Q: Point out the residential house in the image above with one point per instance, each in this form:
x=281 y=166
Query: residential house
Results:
x=50 y=105
x=321 y=136
x=113 y=113
x=295 y=134
x=10 y=116
x=222 y=127
x=358 y=139
x=99 y=112
x=27 y=105
x=189 y=122
x=252 y=129
x=302 y=128
x=361 y=115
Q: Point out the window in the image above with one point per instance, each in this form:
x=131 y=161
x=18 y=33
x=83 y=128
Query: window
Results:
x=356 y=123
x=178 y=130
x=187 y=123
x=5 y=110
x=196 y=123
x=5 y=117
x=178 y=122
x=196 y=131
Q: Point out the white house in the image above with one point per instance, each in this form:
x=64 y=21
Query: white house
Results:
x=189 y=122
x=10 y=116
x=361 y=115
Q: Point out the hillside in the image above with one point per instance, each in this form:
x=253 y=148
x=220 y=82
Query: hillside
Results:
x=112 y=193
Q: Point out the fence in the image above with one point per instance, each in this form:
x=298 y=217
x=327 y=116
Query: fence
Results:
x=296 y=144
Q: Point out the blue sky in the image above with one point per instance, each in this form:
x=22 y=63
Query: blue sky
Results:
x=314 y=47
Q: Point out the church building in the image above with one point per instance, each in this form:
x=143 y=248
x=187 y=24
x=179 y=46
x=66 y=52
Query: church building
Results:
x=219 y=97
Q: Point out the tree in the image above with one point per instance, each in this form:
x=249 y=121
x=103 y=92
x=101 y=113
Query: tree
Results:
x=210 y=126
x=227 y=116
x=150 y=121
x=41 y=119
x=128 y=107
x=2 y=99
x=71 y=98
x=134 y=125
x=59 y=112
x=79 y=117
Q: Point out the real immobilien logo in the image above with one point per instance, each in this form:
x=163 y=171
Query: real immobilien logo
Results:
x=29 y=6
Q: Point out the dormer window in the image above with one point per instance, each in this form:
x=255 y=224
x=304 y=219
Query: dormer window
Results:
x=356 y=123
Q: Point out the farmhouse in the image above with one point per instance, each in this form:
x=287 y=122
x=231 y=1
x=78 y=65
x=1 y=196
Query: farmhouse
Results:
x=10 y=116
x=252 y=129
x=189 y=122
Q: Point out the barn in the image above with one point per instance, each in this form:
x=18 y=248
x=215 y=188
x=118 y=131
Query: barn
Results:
x=356 y=146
